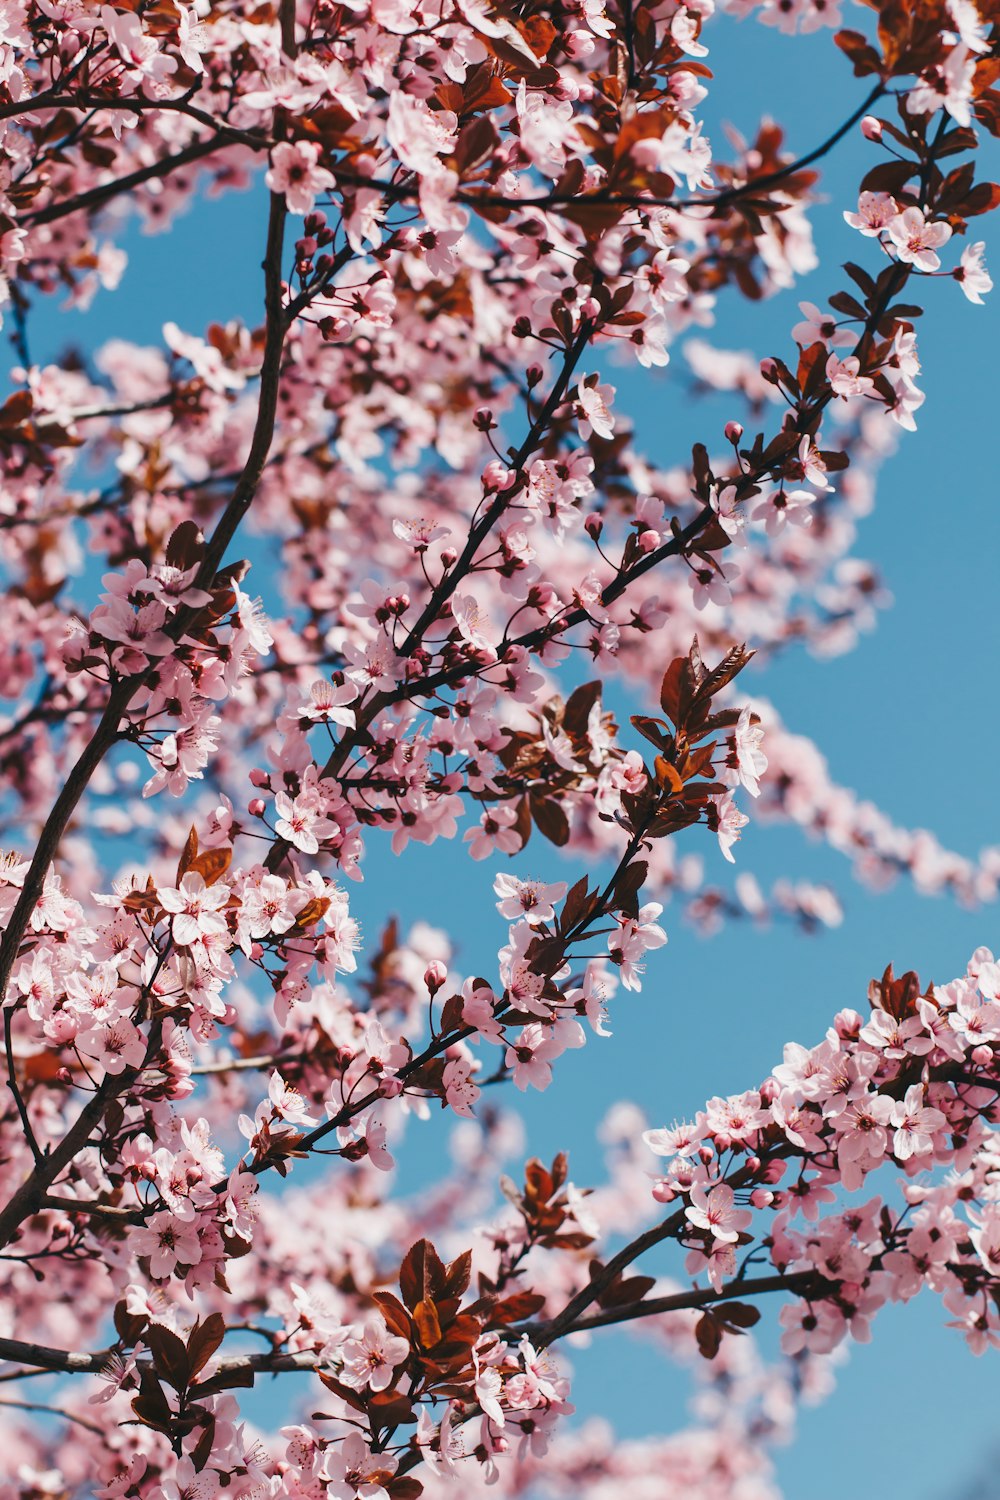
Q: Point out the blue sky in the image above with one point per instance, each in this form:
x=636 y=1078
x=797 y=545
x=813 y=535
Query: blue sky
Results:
x=910 y=720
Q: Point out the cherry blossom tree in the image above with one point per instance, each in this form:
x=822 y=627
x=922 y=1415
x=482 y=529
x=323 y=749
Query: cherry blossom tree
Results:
x=478 y=212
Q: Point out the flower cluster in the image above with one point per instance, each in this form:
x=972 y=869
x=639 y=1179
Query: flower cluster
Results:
x=483 y=221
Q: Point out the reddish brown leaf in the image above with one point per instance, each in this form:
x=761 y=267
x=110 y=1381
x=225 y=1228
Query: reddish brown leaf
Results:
x=427 y=1324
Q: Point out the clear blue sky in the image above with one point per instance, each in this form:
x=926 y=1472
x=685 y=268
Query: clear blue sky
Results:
x=910 y=719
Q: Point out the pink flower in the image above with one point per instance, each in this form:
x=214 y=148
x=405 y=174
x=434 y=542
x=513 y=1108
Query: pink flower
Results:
x=288 y=1103
x=875 y=212
x=353 y=1471
x=896 y=1038
x=915 y=1124
x=594 y=410
x=327 y=703
x=845 y=377
x=375 y=1145
x=167 y=1242
x=730 y=824
x=253 y=620
x=295 y=171
x=916 y=240
x=371 y=1361
x=419 y=533
x=971 y=274
x=117 y=1045
x=751 y=762
x=530 y=1056
x=241 y=1207
x=301 y=820
x=527 y=898
x=710 y=585
x=778 y=508
x=496 y=830
x=948 y=86
x=714 y=1209
x=820 y=327
x=986 y=1241
x=196 y=908
x=460 y=1091
x=634 y=937
x=473 y=623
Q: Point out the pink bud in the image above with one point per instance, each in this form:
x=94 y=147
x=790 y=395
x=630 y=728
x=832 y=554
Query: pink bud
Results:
x=594 y=525
x=590 y=307
x=982 y=1055
x=663 y=1191
x=496 y=476
x=483 y=419
x=734 y=431
x=761 y=1198
x=871 y=128
x=435 y=975
x=847 y=1024
x=259 y=778
x=648 y=541
x=257 y=807
x=448 y=557
x=769 y=370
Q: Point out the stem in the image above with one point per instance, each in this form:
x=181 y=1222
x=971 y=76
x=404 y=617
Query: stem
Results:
x=797 y=1281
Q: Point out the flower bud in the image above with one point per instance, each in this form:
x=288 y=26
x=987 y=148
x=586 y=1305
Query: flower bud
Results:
x=733 y=431
x=871 y=128
x=769 y=370
x=483 y=419
x=435 y=975
x=259 y=778
x=761 y=1198
x=257 y=807
x=847 y=1024
x=594 y=525
x=496 y=476
x=449 y=557
x=982 y=1055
